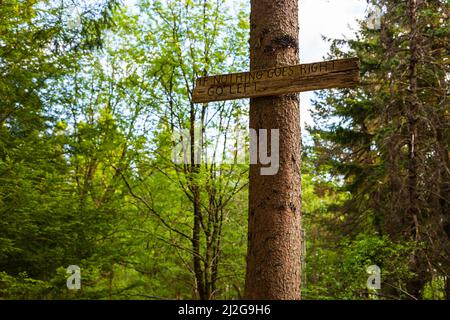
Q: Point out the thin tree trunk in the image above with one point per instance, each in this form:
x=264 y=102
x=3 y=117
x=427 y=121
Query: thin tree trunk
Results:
x=273 y=259
x=194 y=169
x=417 y=259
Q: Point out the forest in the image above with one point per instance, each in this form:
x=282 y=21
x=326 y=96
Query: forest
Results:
x=96 y=98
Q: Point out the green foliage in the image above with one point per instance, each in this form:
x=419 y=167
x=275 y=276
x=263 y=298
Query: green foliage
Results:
x=86 y=177
x=339 y=272
x=388 y=143
x=91 y=96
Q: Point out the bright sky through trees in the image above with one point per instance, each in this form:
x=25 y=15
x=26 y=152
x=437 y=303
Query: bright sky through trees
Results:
x=324 y=18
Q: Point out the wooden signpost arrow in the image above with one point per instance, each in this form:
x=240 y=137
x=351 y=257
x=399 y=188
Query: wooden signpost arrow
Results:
x=342 y=73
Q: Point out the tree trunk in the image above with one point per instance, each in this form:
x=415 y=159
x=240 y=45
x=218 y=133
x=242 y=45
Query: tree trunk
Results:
x=273 y=259
x=194 y=169
x=418 y=263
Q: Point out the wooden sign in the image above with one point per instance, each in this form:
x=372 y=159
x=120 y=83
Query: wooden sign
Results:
x=278 y=81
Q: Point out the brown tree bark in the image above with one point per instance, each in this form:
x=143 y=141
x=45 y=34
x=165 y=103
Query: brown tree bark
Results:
x=273 y=259
x=194 y=169
x=418 y=263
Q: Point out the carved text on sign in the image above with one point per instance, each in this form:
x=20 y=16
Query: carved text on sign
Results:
x=278 y=80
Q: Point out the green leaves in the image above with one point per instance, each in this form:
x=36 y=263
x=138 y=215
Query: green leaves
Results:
x=87 y=106
x=377 y=143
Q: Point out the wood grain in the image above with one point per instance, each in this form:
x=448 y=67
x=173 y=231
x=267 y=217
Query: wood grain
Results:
x=278 y=81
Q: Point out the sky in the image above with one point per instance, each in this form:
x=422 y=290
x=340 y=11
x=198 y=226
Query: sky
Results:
x=331 y=18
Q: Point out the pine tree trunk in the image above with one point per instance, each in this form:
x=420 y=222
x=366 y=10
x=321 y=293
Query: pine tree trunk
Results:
x=417 y=258
x=273 y=260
